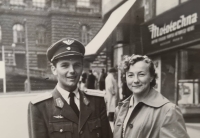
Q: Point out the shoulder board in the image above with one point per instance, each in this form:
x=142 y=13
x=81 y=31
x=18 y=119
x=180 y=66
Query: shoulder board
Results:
x=94 y=92
x=41 y=97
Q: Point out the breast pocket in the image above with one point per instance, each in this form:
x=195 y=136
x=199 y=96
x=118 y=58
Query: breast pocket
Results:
x=95 y=127
x=61 y=129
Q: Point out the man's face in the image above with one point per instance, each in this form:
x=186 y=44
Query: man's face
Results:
x=68 y=71
x=138 y=78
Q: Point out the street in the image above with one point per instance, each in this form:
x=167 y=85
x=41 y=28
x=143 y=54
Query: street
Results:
x=13 y=116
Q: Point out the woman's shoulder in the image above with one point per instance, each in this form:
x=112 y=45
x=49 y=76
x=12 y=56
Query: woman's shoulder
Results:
x=171 y=109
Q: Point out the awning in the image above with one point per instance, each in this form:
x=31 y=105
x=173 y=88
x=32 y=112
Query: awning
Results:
x=114 y=19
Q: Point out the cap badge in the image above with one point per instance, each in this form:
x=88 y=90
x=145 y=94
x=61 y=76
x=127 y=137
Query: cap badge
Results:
x=68 y=48
x=68 y=42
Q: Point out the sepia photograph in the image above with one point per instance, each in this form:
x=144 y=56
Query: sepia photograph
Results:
x=99 y=68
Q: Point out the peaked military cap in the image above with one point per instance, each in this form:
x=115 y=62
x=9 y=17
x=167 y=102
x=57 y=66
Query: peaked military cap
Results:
x=65 y=47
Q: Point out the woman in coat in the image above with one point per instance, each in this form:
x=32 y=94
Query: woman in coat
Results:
x=146 y=113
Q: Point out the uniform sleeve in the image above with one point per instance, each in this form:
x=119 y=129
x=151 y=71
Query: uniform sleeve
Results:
x=36 y=124
x=106 y=130
x=173 y=125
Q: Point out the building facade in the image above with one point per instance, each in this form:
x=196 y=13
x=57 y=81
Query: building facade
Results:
x=168 y=32
x=46 y=21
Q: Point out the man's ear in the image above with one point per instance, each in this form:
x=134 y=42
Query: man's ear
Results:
x=53 y=69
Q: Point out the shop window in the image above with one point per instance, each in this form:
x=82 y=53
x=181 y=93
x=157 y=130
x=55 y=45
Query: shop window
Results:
x=189 y=75
x=42 y=61
x=41 y=35
x=20 y=60
x=0 y=35
x=18 y=33
x=39 y=3
x=168 y=76
x=17 y=2
x=83 y=3
x=85 y=34
x=162 y=6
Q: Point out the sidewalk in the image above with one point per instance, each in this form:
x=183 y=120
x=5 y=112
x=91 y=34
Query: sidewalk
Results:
x=13 y=116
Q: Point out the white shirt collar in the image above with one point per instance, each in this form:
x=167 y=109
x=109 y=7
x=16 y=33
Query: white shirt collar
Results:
x=65 y=94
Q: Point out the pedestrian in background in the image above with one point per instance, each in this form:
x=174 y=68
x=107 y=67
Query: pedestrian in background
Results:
x=111 y=93
x=96 y=74
x=91 y=79
x=102 y=80
x=83 y=81
x=67 y=112
x=146 y=114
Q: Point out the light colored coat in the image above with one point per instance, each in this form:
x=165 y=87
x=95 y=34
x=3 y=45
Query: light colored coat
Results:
x=153 y=117
x=111 y=93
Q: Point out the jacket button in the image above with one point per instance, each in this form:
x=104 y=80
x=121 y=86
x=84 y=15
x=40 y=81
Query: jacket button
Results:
x=61 y=130
x=81 y=132
x=131 y=125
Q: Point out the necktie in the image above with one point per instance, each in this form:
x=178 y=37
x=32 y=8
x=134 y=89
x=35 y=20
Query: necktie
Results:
x=73 y=104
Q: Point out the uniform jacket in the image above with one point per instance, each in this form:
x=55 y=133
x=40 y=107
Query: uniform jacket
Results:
x=154 y=117
x=111 y=93
x=50 y=116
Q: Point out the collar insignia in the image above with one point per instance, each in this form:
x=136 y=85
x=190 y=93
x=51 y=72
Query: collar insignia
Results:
x=68 y=42
x=58 y=116
x=59 y=103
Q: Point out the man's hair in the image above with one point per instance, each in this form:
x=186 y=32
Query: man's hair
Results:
x=90 y=71
x=131 y=60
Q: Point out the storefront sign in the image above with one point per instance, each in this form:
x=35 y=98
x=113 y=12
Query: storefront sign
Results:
x=172 y=29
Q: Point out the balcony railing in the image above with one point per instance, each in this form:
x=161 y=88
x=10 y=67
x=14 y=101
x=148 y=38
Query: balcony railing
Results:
x=79 y=6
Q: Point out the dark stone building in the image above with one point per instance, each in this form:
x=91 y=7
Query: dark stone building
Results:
x=46 y=21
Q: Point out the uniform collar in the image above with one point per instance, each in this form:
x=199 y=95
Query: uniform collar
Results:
x=65 y=94
x=153 y=99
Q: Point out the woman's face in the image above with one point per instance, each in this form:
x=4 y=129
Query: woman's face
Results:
x=138 y=78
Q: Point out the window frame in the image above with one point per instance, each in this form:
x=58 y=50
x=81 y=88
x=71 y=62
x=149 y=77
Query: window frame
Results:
x=18 y=33
x=41 y=35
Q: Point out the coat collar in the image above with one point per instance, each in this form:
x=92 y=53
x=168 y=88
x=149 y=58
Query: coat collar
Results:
x=153 y=99
x=67 y=111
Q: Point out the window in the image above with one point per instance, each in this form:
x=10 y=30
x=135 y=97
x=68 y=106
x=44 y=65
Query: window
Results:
x=17 y=2
x=41 y=35
x=85 y=34
x=168 y=75
x=83 y=3
x=189 y=75
x=18 y=33
x=42 y=61
x=162 y=6
x=39 y=3
x=0 y=35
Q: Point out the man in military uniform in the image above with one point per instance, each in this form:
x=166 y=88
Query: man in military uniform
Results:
x=67 y=112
